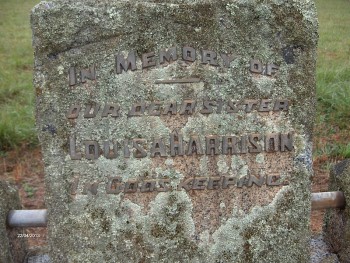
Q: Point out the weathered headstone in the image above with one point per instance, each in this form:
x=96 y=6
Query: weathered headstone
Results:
x=336 y=223
x=176 y=131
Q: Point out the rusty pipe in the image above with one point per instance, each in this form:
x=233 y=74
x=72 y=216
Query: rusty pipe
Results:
x=325 y=200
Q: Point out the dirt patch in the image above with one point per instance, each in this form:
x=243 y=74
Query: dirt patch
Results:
x=319 y=184
x=25 y=169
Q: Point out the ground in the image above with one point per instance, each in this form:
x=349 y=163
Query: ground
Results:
x=25 y=168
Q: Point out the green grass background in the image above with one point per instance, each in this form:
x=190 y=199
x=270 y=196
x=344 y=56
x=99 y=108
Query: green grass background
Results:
x=16 y=63
x=332 y=129
x=333 y=77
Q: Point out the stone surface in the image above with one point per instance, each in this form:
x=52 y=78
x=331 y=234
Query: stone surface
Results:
x=13 y=247
x=336 y=223
x=39 y=259
x=108 y=75
x=320 y=252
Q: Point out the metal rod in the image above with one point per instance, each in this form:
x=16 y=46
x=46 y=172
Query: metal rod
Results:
x=327 y=200
x=38 y=217
x=27 y=218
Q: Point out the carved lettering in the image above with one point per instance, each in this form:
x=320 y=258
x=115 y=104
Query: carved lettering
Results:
x=125 y=64
x=227 y=181
x=74 y=186
x=139 y=150
x=230 y=145
x=148 y=60
x=272 y=142
x=72 y=76
x=227 y=58
x=163 y=185
x=154 y=108
x=91 y=110
x=272 y=180
x=111 y=109
x=188 y=107
x=209 y=57
x=92 y=151
x=107 y=152
x=169 y=55
x=176 y=144
x=281 y=105
x=73 y=112
x=219 y=107
x=255 y=180
x=186 y=184
x=91 y=188
x=256 y=66
x=85 y=74
x=214 y=183
x=137 y=109
x=242 y=182
x=264 y=105
x=126 y=149
x=89 y=74
x=232 y=107
x=271 y=69
x=194 y=146
x=208 y=107
x=286 y=142
x=158 y=148
x=114 y=185
x=212 y=145
x=199 y=183
x=148 y=186
x=170 y=108
x=131 y=187
x=266 y=69
x=244 y=141
x=254 y=147
x=74 y=155
x=250 y=104
x=189 y=54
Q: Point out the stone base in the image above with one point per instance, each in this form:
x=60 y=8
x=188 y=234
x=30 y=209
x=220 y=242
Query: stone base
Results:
x=320 y=252
x=336 y=228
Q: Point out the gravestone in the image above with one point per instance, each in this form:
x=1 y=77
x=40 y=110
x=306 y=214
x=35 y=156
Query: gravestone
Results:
x=176 y=131
x=336 y=222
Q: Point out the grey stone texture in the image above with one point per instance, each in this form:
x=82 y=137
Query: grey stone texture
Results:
x=320 y=251
x=336 y=222
x=12 y=248
x=146 y=204
x=39 y=259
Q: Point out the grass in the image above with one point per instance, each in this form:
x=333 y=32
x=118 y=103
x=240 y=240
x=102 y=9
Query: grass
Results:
x=30 y=190
x=332 y=136
x=16 y=63
x=333 y=78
